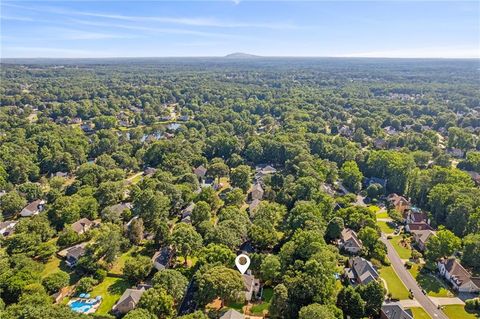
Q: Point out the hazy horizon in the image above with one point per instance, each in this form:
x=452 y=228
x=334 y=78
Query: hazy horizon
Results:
x=126 y=29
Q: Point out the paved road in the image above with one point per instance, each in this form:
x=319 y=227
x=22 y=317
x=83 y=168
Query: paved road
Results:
x=410 y=282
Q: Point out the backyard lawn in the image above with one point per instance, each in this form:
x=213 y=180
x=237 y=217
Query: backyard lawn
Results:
x=384 y=227
x=419 y=313
x=458 y=312
x=110 y=289
x=403 y=252
x=394 y=285
x=260 y=308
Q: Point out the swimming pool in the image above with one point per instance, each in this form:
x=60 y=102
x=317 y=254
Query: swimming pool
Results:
x=82 y=306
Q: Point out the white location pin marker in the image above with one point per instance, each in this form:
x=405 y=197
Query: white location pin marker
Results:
x=242 y=262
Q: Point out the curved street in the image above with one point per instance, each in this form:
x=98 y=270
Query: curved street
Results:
x=410 y=282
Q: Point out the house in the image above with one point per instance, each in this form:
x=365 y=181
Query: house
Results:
x=416 y=215
x=421 y=237
x=87 y=127
x=380 y=143
x=183 y=118
x=257 y=192
x=7 y=227
x=400 y=203
x=251 y=286
x=459 y=277
x=173 y=126
x=349 y=241
x=395 y=310
x=252 y=207
x=361 y=271
x=232 y=314
x=475 y=177
x=417 y=226
x=73 y=254
x=149 y=171
x=76 y=120
x=33 y=208
x=200 y=171
x=82 y=225
x=128 y=301
x=59 y=174
x=187 y=212
x=345 y=131
x=161 y=259
x=263 y=170
x=390 y=130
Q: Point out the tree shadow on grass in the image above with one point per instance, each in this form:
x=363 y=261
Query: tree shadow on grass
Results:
x=118 y=287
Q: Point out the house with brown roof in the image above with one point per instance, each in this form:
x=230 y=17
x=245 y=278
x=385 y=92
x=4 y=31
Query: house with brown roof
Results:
x=399 y=203
x=349 y=241
x=128 y=301
x=200 y=171
x=82 y=225
x=421 y=237
x=417 y=226
x=33 y=208
x=459 y=277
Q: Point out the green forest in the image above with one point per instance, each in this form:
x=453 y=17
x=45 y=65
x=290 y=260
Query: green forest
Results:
x=145 y=178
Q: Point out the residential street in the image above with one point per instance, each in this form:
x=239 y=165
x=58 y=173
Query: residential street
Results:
x=411 y=283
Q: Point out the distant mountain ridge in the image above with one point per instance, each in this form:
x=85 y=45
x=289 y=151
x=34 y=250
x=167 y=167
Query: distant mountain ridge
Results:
x=240 y=55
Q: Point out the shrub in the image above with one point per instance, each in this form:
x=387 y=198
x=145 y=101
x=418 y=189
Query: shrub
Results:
x=56 y=281
x=100 y=275
x=472 y=304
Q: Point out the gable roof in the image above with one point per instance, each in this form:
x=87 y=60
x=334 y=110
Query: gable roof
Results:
x=459 y=274
x=131 y=295
x=32 y=208
x=200 y=171
x=349 y=238
x=419 y=226
x=82 y=225
x=364 y=270
x=232 y=314
x=395 y=311
x=423 y=235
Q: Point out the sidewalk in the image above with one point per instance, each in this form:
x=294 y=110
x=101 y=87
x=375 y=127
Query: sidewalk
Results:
x=444 y=301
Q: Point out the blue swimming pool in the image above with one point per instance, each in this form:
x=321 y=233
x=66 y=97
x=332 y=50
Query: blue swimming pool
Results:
x=82 y=306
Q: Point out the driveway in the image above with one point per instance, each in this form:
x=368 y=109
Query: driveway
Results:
x=444 y=301
x=410 y=282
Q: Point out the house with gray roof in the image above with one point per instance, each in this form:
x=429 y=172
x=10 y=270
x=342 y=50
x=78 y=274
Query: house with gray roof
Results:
x=128 y=301
x=395 y=310
x=232 y=314
x=361 y=271
x=33 y=208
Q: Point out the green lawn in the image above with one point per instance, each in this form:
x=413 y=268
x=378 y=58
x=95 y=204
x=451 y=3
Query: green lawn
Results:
x=385 y=228
x=432 y=285
x=382 y=214
x=53 y=265
x=403 y=252
x=110 y=289
x=236 y=305
x=419 y=313
x=394 y=284
x=459 y=312
x=259 y=309
x=374 y=208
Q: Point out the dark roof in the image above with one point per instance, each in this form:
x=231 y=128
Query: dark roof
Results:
x=364 y=270
x=395 y=311
x=75 y=252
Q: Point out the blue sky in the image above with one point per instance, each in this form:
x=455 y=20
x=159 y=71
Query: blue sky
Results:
x=449 y=29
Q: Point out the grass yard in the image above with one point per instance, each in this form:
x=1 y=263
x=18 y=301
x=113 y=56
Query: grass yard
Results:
x=403 y=252
x=385 y=228
x=110 y=289
x=432 y=285
x=374 y=208
x=382 y=214
x=53 y=265
x=419 y=313
x=459 y=312
x=261 y=308
x=394 y=284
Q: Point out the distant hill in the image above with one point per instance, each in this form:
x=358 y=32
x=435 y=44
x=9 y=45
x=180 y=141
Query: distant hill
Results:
x=241 y=55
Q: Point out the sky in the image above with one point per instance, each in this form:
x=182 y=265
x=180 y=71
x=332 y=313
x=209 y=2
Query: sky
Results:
x=80 y=29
